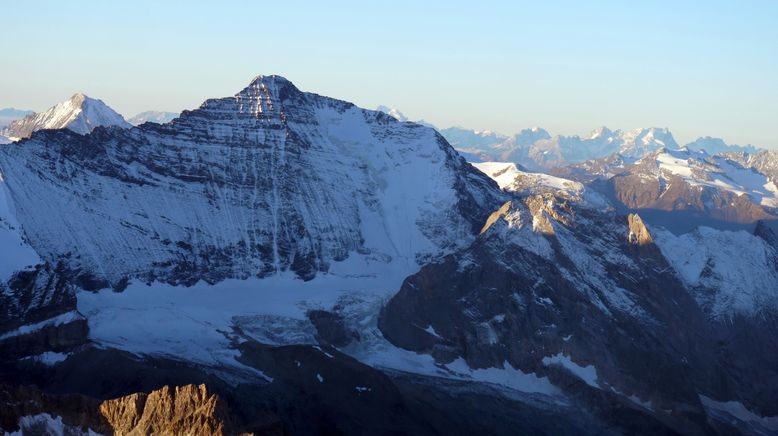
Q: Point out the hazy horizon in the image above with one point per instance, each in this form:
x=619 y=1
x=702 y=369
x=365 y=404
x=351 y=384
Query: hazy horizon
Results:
x=698 y=68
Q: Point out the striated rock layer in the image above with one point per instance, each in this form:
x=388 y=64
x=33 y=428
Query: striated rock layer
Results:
x=270 y=180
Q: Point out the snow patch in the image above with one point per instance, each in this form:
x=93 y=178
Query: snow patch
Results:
x=49 y=358
x=507 y=376
x=737 y=410
x=586 y=373
x=46 y=424
x=431 y=330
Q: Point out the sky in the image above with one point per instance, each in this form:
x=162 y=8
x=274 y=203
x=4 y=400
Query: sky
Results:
x=697 y=67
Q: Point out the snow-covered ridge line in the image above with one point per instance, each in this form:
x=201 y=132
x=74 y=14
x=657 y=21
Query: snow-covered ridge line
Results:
x=506 y=173
x=701 y=169
x=512 y=179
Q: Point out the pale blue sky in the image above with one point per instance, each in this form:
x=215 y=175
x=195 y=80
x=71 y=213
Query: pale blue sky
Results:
x=697 y=67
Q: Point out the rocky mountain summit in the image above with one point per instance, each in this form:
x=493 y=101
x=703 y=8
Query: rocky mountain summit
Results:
x=270 y=180
x=80 y=114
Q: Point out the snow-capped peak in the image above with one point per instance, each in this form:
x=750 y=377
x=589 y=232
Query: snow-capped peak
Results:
x=399 y=116
x=717 y=145
x=530 y=136
x=79 y=113
x=158 y=117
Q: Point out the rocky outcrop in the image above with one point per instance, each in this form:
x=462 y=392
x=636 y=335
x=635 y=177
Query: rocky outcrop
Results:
x=38 y=314
x=638 y=233
x=170 y=410
x=315 y=390
x=178 y=410
x=331 y=328
x=496 y=215
x=768 y=230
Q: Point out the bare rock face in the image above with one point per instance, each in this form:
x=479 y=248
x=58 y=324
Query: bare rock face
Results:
x=674 y=194
x=179 y=410
x=767 y=230
x=496 y=215
x=638 y=233
x=547 y=209
x=38 y=314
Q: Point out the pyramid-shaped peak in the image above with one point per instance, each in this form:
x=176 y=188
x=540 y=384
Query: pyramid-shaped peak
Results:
x=81 y=100
x=79 y=113
x=270 y=82
x=273 y=86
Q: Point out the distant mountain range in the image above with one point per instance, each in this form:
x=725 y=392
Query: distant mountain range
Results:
x=158 y=117
x=536 y=149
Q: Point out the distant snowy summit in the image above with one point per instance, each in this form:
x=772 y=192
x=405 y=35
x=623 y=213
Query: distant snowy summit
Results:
x=79 y=113
x=536 y=149
x=158 y=117
x=399 y=116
